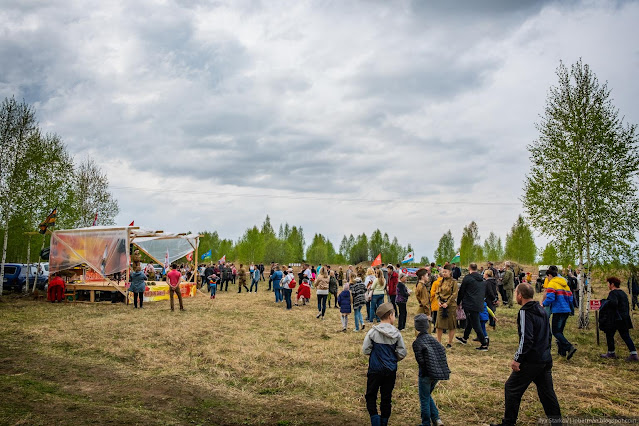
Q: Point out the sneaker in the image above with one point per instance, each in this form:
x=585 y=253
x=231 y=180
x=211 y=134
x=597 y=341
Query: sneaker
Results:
x=319 y=315
x=363 y=327
x=461 y=340
x=439 y=422
x=482 y=348
x=355 y=331
x=571 y=352
x=609 y=355
x=633 y=358
x=448 y=346
x=343 y=330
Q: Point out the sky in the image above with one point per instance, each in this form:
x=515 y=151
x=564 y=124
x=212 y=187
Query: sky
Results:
x=341 y=117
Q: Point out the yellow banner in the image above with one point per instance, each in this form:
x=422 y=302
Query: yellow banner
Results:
x=160 y=291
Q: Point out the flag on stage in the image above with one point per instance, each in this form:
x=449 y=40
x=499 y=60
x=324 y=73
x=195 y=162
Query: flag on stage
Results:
x=378 y=260
x=410 y=257
x=456 y=258
x=166 y=260
x=189 y=257
x=206 y=255
x=49 y=221
x=223 y=259
x=132 y=223
x=95 y=220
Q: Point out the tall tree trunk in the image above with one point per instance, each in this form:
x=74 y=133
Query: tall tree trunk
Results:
x=26 y=287
x=4 y=252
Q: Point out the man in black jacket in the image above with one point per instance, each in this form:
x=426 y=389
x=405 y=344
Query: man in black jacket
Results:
x=532 y=362
x=471 y=298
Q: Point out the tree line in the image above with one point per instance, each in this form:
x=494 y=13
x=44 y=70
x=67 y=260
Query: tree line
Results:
x=37 y=175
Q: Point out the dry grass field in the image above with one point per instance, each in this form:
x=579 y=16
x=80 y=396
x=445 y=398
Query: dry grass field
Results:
x=242 y=359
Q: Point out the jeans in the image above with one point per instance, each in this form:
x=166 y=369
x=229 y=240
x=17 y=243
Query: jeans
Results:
x=518 y=382
x=473 y=323
x=625 y=335
x=377 y=300
x=253 y=283
x=384 y=383
x=278 y=292
x=558 y=324
x=321 y=303
x=287 y=296
x=402 y=316
x=368 y=311
x=430 y=414
x=213 y=289
x=138 y=295
x=357 y=315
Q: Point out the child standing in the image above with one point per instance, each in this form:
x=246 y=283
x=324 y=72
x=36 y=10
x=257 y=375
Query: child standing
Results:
x=358 y=290
x=433 y=366
x=213 y=285
x=344 y=302
x=402 y=298
x=385 y=345
x=483 y=319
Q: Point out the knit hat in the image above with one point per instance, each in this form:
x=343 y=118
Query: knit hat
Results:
x=384 y=308
x=422 y=323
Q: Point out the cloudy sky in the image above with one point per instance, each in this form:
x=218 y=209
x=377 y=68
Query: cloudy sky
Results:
x=339 y=116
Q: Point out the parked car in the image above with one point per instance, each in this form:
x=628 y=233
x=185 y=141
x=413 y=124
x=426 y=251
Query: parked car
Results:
x=15 y=277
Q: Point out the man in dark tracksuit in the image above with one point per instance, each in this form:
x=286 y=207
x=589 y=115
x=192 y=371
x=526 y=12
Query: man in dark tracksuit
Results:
x=532 y=362
x=471 y=298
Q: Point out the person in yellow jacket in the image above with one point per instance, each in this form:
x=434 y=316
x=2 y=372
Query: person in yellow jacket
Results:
x=434 y=303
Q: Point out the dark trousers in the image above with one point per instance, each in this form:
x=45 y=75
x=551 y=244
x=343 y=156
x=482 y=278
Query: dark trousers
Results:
x=635 y=301
x=434 y=315
x=179 y=296
x=402 y=315
x=270 y=282
x=321 y=303
x=368 y=311
x=234 y=277
x=518 y=382
x=138 y=295
x=287 y=297
x=493 y=308
x=625 y=335
x=392 y=300
x=558 y=323
x=385 y=384
x=473 y=323
x=222 y=287
x=502 y=293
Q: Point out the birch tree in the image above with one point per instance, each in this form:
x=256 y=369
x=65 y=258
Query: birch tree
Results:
x=582 y=187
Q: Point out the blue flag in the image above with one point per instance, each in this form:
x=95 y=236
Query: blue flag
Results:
x=206 y=255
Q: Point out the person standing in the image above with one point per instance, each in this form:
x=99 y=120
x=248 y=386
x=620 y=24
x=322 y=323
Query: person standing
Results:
x=357 y=293
x=559 y=300
x=508 y=282
x=471 y=298
x=233 y=272
x=344 y=302
x=446 y=298
x=277 y=278
x=402 y=299
x=241 y=278
x=286 y=287
x=332 y=288
x=532 y=362
x=614 y=316
x=434 y=302
x=456 y=273
x=340 y=277
x=174 y=278
x=379 y=289
x=261 y=268
x=633 y=286
x=321 y=284
x=138 y=286
x=368 y=283
x=255 y=277
x=385 y=346
x=491 y=294
x=393 y=278
x=422 y=292
x=270 y=277
x=433 y=367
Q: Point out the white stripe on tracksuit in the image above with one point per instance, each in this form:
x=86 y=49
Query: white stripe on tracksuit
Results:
x=522 y=324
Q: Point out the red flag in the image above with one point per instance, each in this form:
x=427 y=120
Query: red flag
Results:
x=132 y=223
x=377 y=261
x=95 y=220
x=189 y=257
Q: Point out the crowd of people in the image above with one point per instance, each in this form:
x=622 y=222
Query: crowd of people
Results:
x=448 y=301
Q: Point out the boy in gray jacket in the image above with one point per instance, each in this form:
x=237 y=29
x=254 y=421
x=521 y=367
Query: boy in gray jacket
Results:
x=385 y=345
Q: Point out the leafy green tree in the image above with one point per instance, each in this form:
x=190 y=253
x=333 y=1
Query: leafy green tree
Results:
x=375 y=244
x=520 y=243
x=549 y=256
x=582 y=187
x=469 y=243
x=359 y=250
x=295 y=246
x=321 y=250
x=424 y=260
x=493 y=249
x=250 y=248
x=91 y=196
x=446 y=249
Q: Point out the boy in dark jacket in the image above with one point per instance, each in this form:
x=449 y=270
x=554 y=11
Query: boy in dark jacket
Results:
x=385 y=345
x=402 y=298
x=532 y=361
x=433 y=366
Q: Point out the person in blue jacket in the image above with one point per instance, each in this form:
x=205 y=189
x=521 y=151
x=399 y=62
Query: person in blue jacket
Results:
x=277 y=277
x=559 y=299
x=385 y=345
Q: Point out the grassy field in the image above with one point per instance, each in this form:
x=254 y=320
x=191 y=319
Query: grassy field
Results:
x=242 y=359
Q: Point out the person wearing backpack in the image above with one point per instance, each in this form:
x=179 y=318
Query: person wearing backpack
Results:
x=385 y=346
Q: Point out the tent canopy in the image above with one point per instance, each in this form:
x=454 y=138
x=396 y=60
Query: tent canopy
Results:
x=104 y=248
